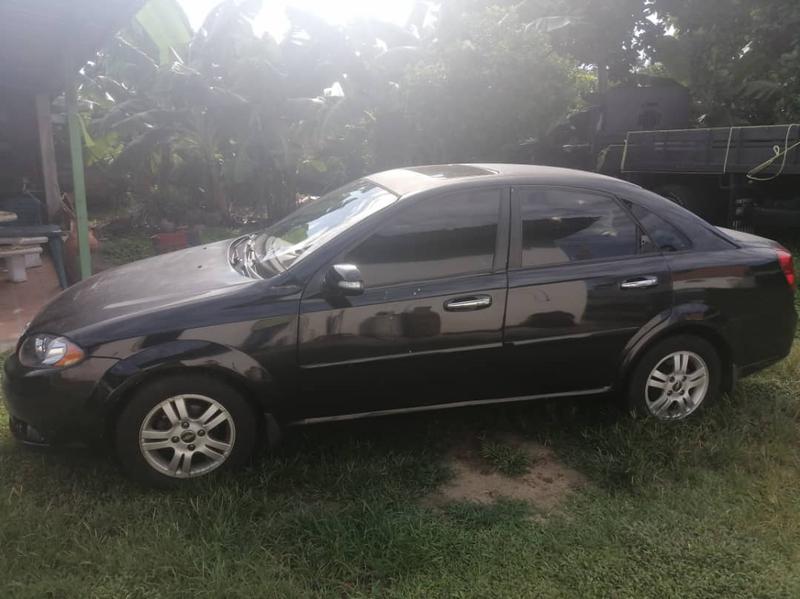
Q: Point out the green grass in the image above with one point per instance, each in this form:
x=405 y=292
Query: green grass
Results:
x=121 y=249
x=708 y=508
x=504 y=457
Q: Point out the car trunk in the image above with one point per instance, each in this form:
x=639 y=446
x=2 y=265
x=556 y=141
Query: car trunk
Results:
x=742 y=238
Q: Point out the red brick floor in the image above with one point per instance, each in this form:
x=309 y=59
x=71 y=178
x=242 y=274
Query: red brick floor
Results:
x=19 y=302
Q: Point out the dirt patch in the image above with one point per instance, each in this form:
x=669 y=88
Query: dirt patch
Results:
x=546 y=483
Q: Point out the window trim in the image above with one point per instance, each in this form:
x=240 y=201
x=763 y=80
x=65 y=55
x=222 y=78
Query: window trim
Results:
x=626 y=202
x=501 y=249
x=515 y=251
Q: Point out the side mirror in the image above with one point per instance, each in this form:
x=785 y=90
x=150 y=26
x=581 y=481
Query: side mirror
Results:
x=344 y=279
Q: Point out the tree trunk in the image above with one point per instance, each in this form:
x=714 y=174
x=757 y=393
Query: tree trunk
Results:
x=217 y=189
x=164 y=167
x=602 y=77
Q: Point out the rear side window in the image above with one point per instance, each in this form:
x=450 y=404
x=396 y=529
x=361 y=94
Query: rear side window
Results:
x=659 y=235
x=432 y=239
x=564 y=225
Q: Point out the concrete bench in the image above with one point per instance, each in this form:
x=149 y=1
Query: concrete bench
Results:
x=31 y=260
x=55 y=243
x=14 y=256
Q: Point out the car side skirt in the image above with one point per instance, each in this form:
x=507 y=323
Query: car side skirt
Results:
x=445 y=406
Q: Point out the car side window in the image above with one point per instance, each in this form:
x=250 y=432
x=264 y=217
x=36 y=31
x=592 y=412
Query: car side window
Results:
x=560 y=226
x=660 y=236
x=433 y=238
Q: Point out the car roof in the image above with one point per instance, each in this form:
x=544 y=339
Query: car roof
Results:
x=412 y=180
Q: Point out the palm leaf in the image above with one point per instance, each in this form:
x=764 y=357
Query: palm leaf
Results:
x=167 y=26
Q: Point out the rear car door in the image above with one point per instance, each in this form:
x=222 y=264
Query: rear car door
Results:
x=583 y=280
x=428 y=328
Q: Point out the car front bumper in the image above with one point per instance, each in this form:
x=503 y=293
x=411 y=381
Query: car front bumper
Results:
x=50 y=407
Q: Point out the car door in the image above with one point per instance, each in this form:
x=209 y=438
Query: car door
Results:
x=428 y=327
x=582 y=283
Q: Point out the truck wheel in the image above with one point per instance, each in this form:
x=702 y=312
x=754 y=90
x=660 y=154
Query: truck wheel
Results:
x=694 y=200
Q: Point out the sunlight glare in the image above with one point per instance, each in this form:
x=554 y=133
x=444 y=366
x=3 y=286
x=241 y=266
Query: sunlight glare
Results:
x=272 y=17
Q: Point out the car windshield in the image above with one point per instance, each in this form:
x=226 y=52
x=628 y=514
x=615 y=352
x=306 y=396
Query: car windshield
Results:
x=302 y=232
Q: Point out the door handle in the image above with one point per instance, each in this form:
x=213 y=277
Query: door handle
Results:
x=639 y=283
x=466 y=304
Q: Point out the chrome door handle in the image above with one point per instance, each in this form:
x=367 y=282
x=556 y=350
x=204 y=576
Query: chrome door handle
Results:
x=465 y=304
x=639 y=283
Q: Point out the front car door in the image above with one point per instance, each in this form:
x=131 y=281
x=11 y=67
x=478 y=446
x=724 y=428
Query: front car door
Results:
x=428 y=328
x=582 y=282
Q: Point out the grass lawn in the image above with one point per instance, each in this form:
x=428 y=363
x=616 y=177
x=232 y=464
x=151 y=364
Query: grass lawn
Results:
x=711 y=508
x=708 y=508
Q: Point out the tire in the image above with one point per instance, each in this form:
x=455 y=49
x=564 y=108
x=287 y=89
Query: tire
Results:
x=698 y=201
x=196 y=426
x=682 y=395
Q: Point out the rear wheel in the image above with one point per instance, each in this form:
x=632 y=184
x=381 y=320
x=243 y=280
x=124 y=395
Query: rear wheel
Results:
x=183 y=427
x=675 y=378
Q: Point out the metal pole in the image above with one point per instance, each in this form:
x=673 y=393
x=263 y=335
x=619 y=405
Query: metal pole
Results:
x=78 y=183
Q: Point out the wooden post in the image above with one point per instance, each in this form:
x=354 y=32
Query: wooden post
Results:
x=47 y=154
x=78 y=182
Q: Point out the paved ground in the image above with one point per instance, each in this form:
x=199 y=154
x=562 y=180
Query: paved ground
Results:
x=19 y=302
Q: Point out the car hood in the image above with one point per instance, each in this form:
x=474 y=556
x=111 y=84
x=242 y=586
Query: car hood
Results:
x=141 y=287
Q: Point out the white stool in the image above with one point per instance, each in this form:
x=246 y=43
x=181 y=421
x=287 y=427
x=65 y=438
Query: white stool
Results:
x=15 y=257
x=31 y=260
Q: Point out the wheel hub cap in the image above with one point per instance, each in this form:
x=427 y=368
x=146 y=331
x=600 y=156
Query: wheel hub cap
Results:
x=187 y=436
x=677 y=385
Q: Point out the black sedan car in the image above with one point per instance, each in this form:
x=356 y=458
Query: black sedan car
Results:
x=409 y=290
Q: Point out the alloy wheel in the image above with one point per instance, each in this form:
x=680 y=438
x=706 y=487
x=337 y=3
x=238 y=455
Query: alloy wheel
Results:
x=186 y=436
x=676 y=386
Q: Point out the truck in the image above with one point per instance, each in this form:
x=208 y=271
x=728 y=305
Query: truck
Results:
x=743 y=177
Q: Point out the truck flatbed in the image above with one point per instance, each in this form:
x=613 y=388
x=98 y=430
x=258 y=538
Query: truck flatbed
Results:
x=715 y=151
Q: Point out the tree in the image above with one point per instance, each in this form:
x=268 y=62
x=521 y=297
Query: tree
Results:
x=610 y=35
x=231 y=117
x=216 y=115
x=480 y=84
x=738 y=57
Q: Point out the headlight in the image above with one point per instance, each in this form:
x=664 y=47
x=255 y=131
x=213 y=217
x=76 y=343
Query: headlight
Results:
x=49 y=350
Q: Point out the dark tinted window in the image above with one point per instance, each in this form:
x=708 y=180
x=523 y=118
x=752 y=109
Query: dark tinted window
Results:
x=660 y=235
x=560 y=226
x=440 y=237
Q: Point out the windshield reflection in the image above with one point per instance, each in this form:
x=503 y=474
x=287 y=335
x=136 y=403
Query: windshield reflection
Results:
x=302 y=232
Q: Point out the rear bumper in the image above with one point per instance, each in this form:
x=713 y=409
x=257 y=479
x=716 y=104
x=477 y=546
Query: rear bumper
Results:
x=49 y=407
x=782 y=348
x=748 y=369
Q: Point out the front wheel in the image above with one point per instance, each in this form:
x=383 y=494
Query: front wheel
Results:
x=675 y=378
x=183 y=427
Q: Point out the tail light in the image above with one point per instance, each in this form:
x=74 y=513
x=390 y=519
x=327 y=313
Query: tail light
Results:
x=787 y=266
